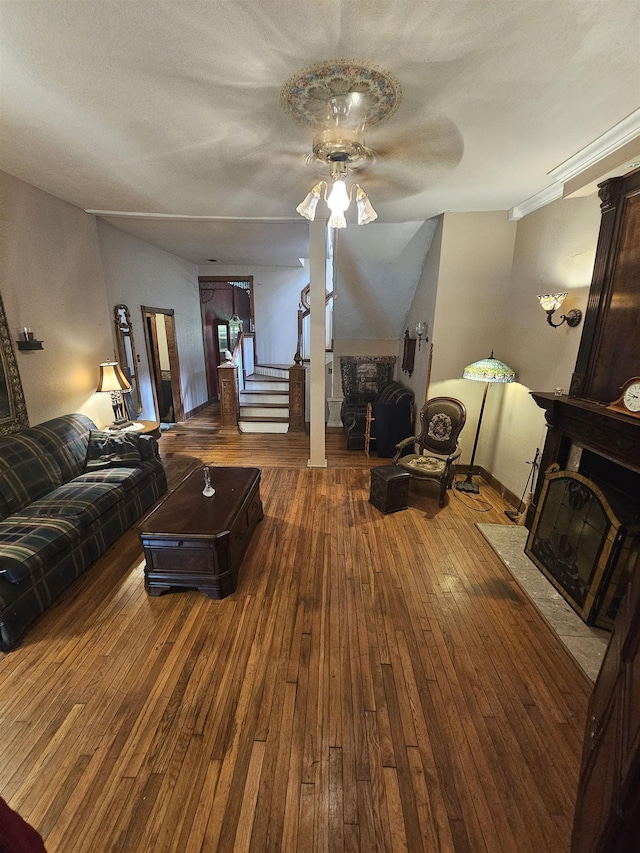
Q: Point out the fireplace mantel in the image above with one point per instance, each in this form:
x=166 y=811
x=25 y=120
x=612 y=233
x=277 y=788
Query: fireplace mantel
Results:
x=610 y=434
x=590 y=425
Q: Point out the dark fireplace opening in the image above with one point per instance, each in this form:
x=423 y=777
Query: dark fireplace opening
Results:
x=620 y=485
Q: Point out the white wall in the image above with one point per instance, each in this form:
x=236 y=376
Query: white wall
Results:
x=423 y=309
x=52 y=281
x=554 y=251
x=136 y=274
x=276 y=295
x=472 y=313
x=488 y=273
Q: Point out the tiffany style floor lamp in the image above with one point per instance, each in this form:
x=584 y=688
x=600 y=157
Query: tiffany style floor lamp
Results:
x=486 y=370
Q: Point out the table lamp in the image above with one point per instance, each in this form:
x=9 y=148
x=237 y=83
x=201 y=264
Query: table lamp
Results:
x=112 y=379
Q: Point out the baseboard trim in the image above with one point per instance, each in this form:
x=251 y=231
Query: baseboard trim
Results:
x=199 y=408
x=506 y=494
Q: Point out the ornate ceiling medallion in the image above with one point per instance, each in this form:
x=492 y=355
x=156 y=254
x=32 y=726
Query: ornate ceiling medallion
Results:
x=306 y=95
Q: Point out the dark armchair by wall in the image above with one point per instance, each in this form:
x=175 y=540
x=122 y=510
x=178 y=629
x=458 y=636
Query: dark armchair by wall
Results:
x=369 y=380
x=362 y=377
x=392 y=417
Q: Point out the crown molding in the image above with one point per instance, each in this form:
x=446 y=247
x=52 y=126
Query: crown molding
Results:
x=619 y=135
x=622 y=133
x=179 y=217
x=545 y=196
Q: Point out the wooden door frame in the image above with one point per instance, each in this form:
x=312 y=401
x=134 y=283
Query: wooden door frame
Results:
x=174 y=362
x=203 y=279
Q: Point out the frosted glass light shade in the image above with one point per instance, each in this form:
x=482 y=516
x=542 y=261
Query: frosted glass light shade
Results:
x=552 y=301
x=307 y=208
x=366 y=213
x=489 y=370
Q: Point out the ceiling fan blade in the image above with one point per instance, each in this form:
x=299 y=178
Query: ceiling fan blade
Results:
x=408 y=160
x=435 y=139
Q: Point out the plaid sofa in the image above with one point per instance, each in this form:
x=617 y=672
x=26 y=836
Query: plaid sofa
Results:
x=56 y=518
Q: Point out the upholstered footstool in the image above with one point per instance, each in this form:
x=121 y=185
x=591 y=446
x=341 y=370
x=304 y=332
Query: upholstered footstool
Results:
x=389 y=488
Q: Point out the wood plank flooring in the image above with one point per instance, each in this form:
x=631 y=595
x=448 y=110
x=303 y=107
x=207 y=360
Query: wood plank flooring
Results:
x=376 y=683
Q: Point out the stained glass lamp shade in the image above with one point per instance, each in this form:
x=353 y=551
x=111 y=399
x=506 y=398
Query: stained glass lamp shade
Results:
x=552 y=301
x=489 y=370
x=485 y=370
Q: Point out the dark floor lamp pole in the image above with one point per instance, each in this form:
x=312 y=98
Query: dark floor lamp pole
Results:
x=486 y=370
x=467 y=485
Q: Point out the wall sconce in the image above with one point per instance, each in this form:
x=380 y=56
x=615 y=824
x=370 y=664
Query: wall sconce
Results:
x=421 y=329
x=551 y=302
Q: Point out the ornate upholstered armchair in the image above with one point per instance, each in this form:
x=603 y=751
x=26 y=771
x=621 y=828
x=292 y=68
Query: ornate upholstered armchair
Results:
x=441 y=419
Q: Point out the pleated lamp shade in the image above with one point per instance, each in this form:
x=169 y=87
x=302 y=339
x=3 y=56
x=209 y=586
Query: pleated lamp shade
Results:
x=112 y=378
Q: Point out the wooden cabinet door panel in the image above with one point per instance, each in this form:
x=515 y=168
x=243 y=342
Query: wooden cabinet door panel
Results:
x=596 y=816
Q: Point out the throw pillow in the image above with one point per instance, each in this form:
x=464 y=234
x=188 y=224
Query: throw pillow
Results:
x=112 y=450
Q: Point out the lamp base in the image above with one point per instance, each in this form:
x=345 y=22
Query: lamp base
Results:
x=467 y=486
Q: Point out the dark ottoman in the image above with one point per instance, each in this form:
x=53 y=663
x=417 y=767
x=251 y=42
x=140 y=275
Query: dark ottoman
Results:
x=389 y=488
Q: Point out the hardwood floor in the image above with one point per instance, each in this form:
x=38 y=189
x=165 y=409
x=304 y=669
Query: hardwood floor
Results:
x=376 y=683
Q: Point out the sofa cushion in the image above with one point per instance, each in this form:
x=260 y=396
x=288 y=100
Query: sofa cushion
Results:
x=27 y=472
x=126 y=477
x=84 y=501
x=148 y=447
x=27 y=544
x=65 y=439
x=112 y=449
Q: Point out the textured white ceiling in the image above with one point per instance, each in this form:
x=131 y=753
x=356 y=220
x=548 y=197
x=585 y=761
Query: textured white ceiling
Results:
x=173 y=107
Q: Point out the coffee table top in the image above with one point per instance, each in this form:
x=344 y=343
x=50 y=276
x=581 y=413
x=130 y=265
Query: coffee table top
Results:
x=186 y=512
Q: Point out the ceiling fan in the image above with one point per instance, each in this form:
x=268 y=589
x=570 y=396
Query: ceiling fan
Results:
x=339 y=100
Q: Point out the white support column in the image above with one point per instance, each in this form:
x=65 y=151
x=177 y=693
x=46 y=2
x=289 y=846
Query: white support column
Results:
x=318 y=274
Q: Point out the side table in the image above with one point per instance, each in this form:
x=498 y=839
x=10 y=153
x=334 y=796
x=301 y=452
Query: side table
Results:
x=389 y=488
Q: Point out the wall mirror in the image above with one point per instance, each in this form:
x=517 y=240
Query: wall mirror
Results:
x=128 y=359
x=13 y=410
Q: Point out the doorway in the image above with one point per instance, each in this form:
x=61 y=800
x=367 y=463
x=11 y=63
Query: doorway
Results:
x=164 y=366
x=221 y=299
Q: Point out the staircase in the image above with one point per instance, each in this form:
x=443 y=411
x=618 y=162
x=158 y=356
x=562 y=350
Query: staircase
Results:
x=264 y=403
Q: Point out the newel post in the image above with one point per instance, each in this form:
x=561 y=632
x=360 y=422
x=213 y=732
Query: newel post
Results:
x=229 y=405
x=297 y=398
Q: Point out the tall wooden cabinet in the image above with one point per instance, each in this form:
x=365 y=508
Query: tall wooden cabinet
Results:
x=607 y=817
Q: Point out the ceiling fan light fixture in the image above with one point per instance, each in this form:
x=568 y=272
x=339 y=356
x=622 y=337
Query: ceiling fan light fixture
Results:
x=338 y=200
x=366 y=212
x=307 y=208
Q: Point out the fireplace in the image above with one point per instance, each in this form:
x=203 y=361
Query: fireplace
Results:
x=584 y=546
x=586 y=510
x=585 y=516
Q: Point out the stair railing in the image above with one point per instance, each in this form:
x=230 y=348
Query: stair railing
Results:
x=297 y=372
x=231 y=377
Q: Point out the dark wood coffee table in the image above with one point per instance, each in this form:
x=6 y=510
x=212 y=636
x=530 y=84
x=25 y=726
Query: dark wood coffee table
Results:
x=193 y=541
